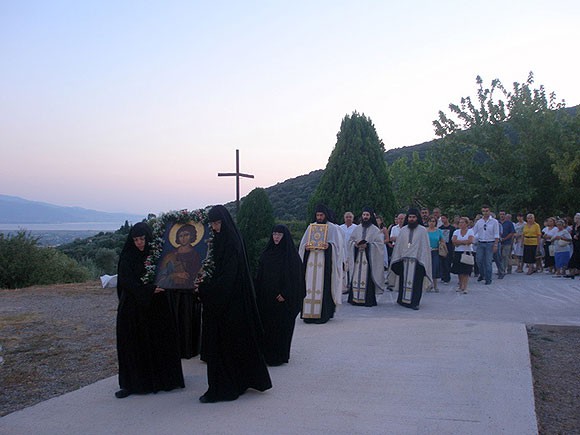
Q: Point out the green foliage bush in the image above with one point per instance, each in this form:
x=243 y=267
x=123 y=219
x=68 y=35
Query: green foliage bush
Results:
x=100 y=253
x=106 y=260
x=297 y=230
x=255 y=221
x=23 y=263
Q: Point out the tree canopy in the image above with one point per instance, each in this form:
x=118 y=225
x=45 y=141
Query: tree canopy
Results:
x=516 y=149
x=356 y=174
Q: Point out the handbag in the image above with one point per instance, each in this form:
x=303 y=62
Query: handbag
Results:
x=552 y=250
x=467 y=258
x=443 y=251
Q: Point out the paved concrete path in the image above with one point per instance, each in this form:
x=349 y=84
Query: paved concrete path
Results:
x=460 y=365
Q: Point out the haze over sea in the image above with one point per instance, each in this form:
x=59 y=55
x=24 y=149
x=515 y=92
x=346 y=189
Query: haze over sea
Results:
x=68 y=226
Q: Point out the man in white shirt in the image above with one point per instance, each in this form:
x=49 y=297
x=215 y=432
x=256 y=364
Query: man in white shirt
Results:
x=347 y=228
x=396 y=229
x=487 y=234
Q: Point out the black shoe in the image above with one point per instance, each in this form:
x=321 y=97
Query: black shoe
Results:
x=500 y=276
x=122 y=393
x=480 y=278
x=206 y=399
x=487 y=282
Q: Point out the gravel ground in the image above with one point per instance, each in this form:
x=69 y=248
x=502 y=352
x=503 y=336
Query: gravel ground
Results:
x=555 y=356
x=56 y=339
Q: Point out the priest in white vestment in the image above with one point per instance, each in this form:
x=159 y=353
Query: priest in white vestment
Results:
x=366 y=248
x=410 y=271
x=323 y=268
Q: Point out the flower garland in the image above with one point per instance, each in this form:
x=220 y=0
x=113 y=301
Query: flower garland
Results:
x=159 y=224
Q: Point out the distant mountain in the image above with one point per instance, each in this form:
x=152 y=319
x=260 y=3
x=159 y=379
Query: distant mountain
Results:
x=394 y=154
x=15 y=210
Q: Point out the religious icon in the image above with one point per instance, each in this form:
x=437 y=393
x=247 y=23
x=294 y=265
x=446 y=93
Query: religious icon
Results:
x=182 y=255
x=317 y=234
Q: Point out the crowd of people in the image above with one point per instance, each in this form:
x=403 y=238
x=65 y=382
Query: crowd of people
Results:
x=248 y=321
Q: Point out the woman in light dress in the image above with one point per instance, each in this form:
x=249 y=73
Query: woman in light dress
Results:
x=463 y=241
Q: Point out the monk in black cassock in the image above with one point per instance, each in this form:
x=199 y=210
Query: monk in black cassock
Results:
x=147 y=344
x=280 y=291
x=231 y=327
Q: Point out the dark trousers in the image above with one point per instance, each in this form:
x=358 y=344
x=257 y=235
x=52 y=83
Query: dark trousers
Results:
x=445 y=267
x=499 y=262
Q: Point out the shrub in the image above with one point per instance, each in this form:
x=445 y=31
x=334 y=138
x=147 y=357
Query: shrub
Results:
x=23 y=263
x=106 y=260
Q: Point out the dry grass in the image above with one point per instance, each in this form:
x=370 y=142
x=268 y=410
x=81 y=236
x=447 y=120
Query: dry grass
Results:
x=55 y=339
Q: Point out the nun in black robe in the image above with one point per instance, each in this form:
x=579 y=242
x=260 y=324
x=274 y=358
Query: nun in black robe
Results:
x=147 y=345
x=231 y=327
x=280 y=290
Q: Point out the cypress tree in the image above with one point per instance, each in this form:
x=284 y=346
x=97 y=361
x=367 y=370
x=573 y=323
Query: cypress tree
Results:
x=356 y=174
x=255 y=221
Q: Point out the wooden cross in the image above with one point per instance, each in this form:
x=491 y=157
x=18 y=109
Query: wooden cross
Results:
x=236 y=174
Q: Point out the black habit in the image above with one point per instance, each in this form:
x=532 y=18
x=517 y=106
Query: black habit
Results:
x=279 y=273
x=186 y=311
x=147 y=345
x=231 y=327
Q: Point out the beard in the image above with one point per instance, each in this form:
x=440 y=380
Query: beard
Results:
x=366 y=223
x=413 y=225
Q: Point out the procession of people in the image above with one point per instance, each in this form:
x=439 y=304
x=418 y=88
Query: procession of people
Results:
x=247 y=322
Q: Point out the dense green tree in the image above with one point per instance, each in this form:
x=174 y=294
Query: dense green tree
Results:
x=356 y=174
x=516 y=149
x=255 y=221
x=411 y=181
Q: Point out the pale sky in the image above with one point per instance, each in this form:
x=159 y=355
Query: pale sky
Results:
x=136 y=106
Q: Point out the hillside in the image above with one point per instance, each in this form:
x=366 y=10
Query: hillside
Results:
x=15 y=210
x=290 y=198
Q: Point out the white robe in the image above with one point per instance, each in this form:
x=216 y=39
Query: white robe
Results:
x=335 y=238
x=376 y=242
x=419 y=250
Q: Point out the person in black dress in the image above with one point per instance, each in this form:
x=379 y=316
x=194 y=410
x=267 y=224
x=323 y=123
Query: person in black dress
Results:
x=147 y=345
x=280 y=290
x=231 y=327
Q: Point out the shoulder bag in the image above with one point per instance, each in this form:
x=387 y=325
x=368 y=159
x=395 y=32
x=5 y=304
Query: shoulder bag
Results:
x=467 y=258
x=443 y=251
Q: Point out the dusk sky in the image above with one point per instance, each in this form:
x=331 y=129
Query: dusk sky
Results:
x=136 y=106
